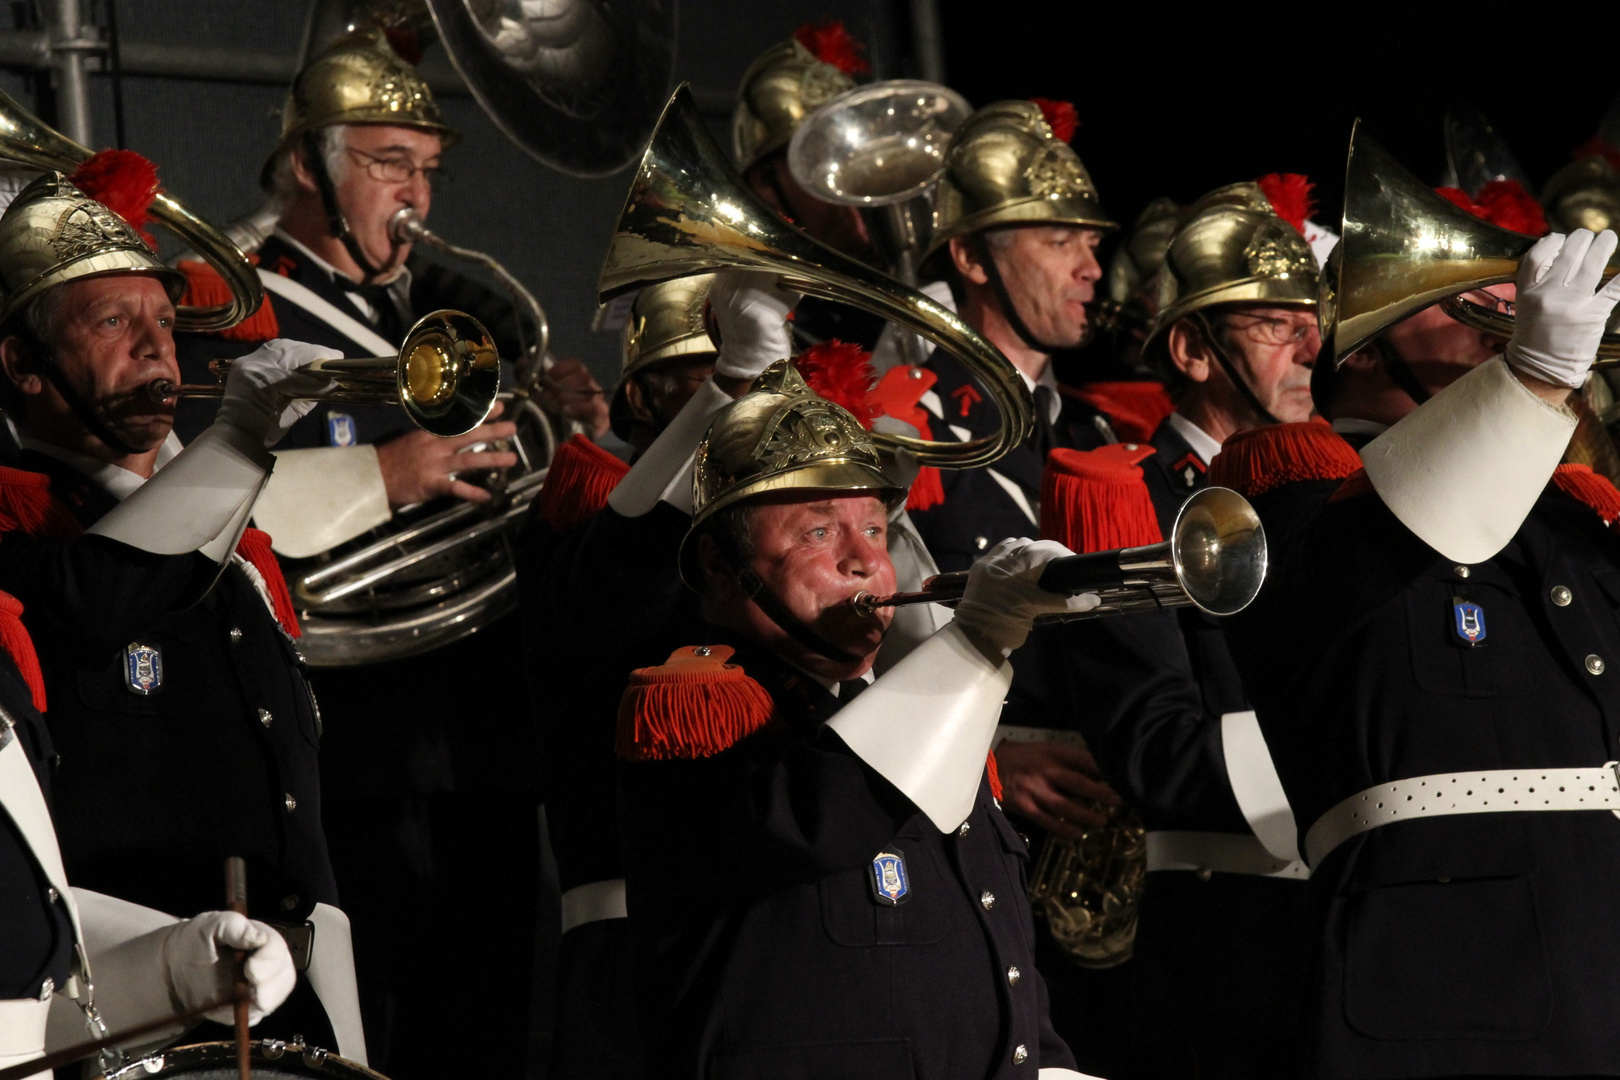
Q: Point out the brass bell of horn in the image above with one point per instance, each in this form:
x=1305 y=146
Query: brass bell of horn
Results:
x=688 y=212
x=26 y=139
x=1402 y=247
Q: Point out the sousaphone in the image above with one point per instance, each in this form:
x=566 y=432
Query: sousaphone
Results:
x=1403 y=248
x=688 y=212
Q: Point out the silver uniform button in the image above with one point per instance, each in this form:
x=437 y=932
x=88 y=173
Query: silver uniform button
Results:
x=289 y=902
x=292 y=803
x=236 y=634
x=1594 y=664
x=1561 y=595
x=1020 y=1054
x=265 y=718
x=1203 y=873
x=46 y=989
x=1013 y=975
x=988 y=899
x=53 y=895
x=981 y=542
x=1460 y=571
x=963 y=831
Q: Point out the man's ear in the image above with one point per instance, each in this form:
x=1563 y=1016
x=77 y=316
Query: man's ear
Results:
x=715 y=567
x=965 y=258
x=1188 y=350
x=635 y=402
x=20 y=367
x=302 y=173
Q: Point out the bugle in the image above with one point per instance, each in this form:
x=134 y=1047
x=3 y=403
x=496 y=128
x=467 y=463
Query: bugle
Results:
x=446 y=376
x=1215 y=560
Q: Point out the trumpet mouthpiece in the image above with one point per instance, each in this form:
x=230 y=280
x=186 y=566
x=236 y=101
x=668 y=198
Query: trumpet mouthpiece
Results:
x=161 y=391
x=865 y=603
x=406 y=225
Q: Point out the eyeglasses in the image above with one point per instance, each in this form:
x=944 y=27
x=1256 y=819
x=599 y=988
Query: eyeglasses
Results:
x=1489 y=301
x=1270 y=330
x=398 y=170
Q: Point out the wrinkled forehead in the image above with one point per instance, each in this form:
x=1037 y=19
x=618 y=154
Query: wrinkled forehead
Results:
x=797 y=507
x=394 y=140
x=133 y=290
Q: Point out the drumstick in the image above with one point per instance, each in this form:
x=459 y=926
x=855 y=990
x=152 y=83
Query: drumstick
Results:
x=85 y=1049
x=236 y=900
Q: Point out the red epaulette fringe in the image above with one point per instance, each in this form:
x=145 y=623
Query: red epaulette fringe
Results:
x=1133 y=409
x=994 y=777
x=15 y=640
x=204 y=288
x=255 y=548
x=694 y=705
x=581 y=477
x=1580 y=483
x=1096 y=500
x=1255 y=462
x=27 y=506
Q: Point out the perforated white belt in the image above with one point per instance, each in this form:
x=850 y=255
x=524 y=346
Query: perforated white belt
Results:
x=1491 y=791
x=595 y=902
x=22 y=1030
x=1219 y=853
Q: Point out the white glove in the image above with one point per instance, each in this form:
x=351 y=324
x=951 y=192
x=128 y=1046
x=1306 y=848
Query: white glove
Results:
x=1558 y=319
x=752 y=312
x=262 y=389
x=1003 y=595
x=197 y=960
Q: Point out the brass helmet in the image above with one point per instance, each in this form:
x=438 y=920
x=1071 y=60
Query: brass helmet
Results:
x=358 y=79
x=666 y=324
x=1006 y=167
x=780 y=436
x=1140 y=256
x=1584 y=194
x=53 y=233
x=1233 y=250
x=782 y=87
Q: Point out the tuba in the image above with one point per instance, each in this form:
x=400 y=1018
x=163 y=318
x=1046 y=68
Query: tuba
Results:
x=688 y=212
x=1403 y=248
x=26 y=139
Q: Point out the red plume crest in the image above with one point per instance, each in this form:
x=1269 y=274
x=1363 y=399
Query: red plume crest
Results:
x=1290 y=197
x=123 y=182
x=842 y=373
x=1060 y=116
x=832 y=44
x=1504 y=203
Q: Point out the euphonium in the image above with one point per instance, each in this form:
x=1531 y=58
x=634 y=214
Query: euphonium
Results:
x=26 y=139
x=1402 y=248
x=1089 y=890
x=688 y=212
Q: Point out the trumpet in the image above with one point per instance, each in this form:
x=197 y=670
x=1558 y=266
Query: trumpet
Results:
x=1215 y=560
x=446 y=376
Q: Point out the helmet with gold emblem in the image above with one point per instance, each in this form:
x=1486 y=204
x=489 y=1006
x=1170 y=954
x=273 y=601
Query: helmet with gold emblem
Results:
x=1233 y=249
x=779 y=437
x=1138 y=258
x=788 y=82
x=53 y=233
x=666 y=326
x=1007 y=166
x=358 y=79
x=1585 y=194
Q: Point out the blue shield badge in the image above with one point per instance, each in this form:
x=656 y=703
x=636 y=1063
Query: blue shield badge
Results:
x=340 y=430
x=1469 y=621
x=891 y=884
x=143 y=667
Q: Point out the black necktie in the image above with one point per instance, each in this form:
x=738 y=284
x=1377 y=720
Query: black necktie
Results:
x=385 y=317
x=1045 y=434
x=849 y=691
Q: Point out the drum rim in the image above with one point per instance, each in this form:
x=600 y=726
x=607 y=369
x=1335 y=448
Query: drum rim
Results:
x=268 y=1051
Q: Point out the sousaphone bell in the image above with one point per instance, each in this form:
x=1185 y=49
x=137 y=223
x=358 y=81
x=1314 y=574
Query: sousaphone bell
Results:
x=1402 y=248
x=688 y=212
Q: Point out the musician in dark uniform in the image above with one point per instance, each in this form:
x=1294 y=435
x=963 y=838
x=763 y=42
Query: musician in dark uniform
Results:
x=50 y=997
x=815 y=887
x=1218 y=964
x=1018 y=244
x=430 y=762
x=1431 y=660
x=179 y=711
x=599 y=597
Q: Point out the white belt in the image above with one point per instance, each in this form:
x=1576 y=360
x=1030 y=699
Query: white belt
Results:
x=1491 y=791
x=1217 y=852
x=22 y=1031
x=596 y=902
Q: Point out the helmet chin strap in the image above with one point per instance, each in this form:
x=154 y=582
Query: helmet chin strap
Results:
x=335 y=221
x=1009 y=310
x=1245 y=391
x=754 y=587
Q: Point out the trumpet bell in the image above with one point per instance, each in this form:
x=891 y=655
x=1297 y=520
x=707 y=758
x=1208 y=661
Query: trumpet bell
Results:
x=877 y=145
x=1218 y=549
x=449 y=373
x=1402 y=248
x=688 y=212
x=24 y=138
